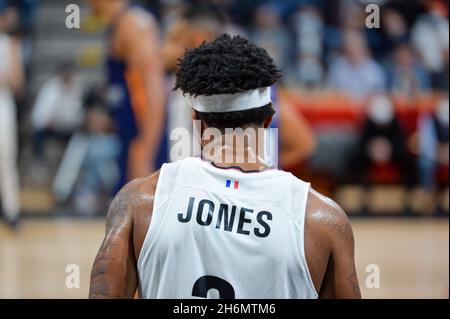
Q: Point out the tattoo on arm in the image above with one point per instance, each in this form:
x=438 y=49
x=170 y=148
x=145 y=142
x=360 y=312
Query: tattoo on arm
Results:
x=114 y=271
x=341 y=279
x=353 y=283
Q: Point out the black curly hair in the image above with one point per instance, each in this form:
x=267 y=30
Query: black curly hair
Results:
x=225 y=66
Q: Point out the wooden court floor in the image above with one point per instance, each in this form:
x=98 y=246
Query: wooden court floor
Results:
x=412 y=256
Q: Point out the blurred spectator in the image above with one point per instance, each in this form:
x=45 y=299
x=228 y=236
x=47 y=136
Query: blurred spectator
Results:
x=405 y=74
x=89 y=169
x=308 y=27
x=11 y=81
x=20 y=16
x=440 y=79
x=434 y=144
x=171 y=12
x=381 y=155
x=269 y=33
x=351 y=18
x=394 y=30
x=431 y=39
x=22 y=12
x=241 y=11
x=408 y=9
x=99 y=170
x=11 y=20
x=57 y=112
x=355 y=72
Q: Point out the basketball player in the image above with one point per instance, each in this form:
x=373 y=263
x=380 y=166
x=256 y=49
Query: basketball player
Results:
x=201 y=228
x=203 y=23
x=135 y=85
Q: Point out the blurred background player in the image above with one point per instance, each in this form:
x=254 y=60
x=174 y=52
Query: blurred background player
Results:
x=135 y=83
x=192 y=26
x=11 y=81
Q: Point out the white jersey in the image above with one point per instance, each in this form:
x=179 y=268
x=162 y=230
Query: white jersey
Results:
x=225 y=233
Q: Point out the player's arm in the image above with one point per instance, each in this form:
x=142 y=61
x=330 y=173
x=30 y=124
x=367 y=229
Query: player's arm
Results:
x=333 y=235
x=114 y=273
x=340 y=279
x=145 y=76
x=297 y=138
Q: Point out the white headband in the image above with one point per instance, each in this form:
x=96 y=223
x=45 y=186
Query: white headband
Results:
x=221 y=103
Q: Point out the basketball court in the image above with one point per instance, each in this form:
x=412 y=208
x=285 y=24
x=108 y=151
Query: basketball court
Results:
x=412 y=255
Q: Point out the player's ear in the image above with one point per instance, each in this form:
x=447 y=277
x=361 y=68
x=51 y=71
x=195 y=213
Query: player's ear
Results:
x=268 y=121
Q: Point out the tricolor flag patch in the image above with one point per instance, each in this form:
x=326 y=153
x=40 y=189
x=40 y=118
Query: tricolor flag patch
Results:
x=232 y=184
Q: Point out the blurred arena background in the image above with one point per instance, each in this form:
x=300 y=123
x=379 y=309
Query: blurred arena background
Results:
x=376 y=100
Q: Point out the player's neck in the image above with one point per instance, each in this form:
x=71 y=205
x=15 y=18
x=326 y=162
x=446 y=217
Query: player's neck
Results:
x=235 y=150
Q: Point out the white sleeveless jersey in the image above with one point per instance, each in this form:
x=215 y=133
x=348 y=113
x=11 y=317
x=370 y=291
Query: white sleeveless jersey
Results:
x=225 y=233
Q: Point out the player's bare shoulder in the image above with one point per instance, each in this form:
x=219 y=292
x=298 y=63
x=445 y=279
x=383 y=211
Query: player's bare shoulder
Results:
x=329 y=237
x=325 y=219
x=133 y=207
x=143 y=190
x=328 y=234
x=137 y=19
x=137 y=31
x=139 y=193
x=134 y=202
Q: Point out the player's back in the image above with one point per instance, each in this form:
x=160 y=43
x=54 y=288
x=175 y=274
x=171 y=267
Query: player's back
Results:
x=225 y=233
